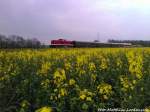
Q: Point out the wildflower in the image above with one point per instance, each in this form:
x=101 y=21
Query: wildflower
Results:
x=82 y=97
x=92 y=66
x=82 y=72
x=147 y=109
x=45 y=68
x=119 y=62
x=105 y=90
x=59 y=76
x=24 y=103
x=89 y=93
x=86 y=95
x=134 y=81
x=126 y=83
x=80 y=61
x=72 y=82
x=105 y=97
x=67 y=65
x=135 y=64
x=103 y=64
x=88 y=99
x=45 y=109
x=45 y=83
x=93 y=76
x=63 y=92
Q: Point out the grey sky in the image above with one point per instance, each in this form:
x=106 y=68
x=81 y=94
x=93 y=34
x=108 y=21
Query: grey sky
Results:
x=76 y=19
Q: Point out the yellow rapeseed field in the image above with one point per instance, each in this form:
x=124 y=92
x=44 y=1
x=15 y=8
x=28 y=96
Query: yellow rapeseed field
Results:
x=74 y=80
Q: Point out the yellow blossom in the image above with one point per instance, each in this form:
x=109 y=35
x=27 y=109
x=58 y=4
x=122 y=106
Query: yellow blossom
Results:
x=24 y=103
x=93 y=76
x=105 y=90
x=63 y=92
x=103 y=64
x=88 y=99
x=82 y=97
x=105 y=97
x=92 y=66
x=72 y=82
x=59 y=76
x=67 y=65
x=85 y=94
x=45 y=68
x=44 y=109
x=147 y=109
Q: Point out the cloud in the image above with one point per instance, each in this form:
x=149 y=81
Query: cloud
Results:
x=76 y=19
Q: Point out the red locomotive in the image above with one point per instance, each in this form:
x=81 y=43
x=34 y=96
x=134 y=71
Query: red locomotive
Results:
x=61 y=43
x=66 y=43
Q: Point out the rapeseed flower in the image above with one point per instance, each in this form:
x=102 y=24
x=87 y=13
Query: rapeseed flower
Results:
x=72 y=82
x=45 y=109
x=67 y=66
x=92 y=66
x=93 y=77
x=59 y=76
x=147 y=109
x=63 y=92
x=86 y=95
x=104 y=64
x=88 y=99
x=82 y=96
x=45 y=69
x=105 y=90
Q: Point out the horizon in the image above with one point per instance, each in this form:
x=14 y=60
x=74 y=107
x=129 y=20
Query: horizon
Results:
x=76 y=20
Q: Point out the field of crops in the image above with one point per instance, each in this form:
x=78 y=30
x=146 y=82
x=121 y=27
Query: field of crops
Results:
x=74 y=80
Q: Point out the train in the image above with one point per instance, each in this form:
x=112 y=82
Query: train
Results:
x=61 y=43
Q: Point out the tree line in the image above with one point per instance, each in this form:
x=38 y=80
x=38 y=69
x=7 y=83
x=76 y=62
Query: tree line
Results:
x=133 y=42
x=15 y=41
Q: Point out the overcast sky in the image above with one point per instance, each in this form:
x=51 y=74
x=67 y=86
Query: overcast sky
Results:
x=76 y=19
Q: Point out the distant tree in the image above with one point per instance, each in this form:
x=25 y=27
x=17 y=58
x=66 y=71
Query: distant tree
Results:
x=15 y=41
x=35 y=43
x=3 y=41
